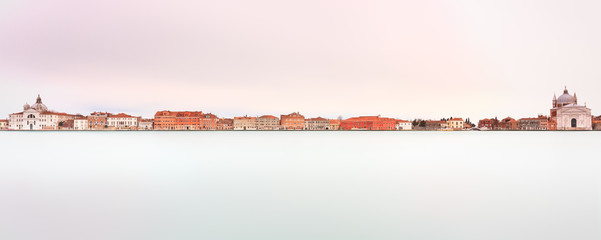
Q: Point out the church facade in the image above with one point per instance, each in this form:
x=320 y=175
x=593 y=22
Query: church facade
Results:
x=37 y=117
x=568 y=114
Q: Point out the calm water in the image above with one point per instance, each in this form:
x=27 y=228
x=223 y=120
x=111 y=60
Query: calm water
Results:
x=300 y=185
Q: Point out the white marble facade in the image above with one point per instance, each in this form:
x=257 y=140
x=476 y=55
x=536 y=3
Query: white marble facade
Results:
x=569 y=115
x=574 y=117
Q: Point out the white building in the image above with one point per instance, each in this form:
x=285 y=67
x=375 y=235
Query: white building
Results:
x=122 y=121
x=245 y=123
x=403 y=125
x=81 y=124
x=145 y=124
x=268 y=122
x=569 y=115
x=37 y=117
x=3 y=124
x=317 y=123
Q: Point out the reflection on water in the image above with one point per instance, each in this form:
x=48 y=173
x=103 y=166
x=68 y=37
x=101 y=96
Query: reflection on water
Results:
x=300 y=185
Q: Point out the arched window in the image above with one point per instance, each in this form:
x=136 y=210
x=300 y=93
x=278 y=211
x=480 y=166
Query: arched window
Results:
x=574 y=122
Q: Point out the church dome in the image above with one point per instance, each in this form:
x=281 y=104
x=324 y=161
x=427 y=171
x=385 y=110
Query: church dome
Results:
x=26 y=106
x=39 y=106
x=566 y=98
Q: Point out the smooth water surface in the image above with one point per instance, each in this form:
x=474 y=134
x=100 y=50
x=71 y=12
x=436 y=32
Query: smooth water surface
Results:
x=300 y=185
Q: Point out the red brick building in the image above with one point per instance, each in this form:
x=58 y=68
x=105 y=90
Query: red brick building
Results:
x=596 y=123
x=98 y=120
x=208 y=121
x=368 y=123
x=293 y=121
x=508 y=124
x=225 y=124
x=168 y=120
x=491 y=124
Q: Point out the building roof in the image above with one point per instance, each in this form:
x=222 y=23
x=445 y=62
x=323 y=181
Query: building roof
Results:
x=178 y=113
x=225 y=121
x=269 y=116
x=369 y=118
x=508 y=119
x=573 y=105
x=244 y=118
x=101 y=113
x=209 y=115
x=56 y=113
x=317 y=119
x=294 y=114
x=457 y=119
x=122 y=115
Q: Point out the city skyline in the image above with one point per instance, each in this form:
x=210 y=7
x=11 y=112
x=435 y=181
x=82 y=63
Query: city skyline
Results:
x=565 y=114
x=118 y=109
x=393 y=58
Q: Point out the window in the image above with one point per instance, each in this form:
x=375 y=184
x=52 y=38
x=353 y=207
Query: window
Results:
x=574 y=122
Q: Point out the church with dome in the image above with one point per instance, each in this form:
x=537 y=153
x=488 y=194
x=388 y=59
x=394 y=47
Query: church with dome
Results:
x=37 y=117
x=568 y=114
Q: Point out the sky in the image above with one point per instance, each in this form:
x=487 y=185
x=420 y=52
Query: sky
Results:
x=402 y=59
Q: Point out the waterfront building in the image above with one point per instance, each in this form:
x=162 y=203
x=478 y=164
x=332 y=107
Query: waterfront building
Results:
x=37 y=117
x=435 y=125
x=98 y=120
x=245 y=123
x=208 y=121
x=183 y=120
x=317 y=123
x=145 y=124
x=268 y=122
x=508 y=124
x=552 y=125
x=368 y=123
x=568 y=114
x=455 y=123
x=488 y=124
x=122 y=121
x=335 y=124
x=403 y=125
x=225 y=124
x=293 y=121
x=534 y=124
x=166 y=120
x=81 y=123
x=3 y=124
x=596 y=121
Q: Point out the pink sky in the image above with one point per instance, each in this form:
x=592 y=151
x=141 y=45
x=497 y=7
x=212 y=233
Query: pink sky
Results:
x=403 y=59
